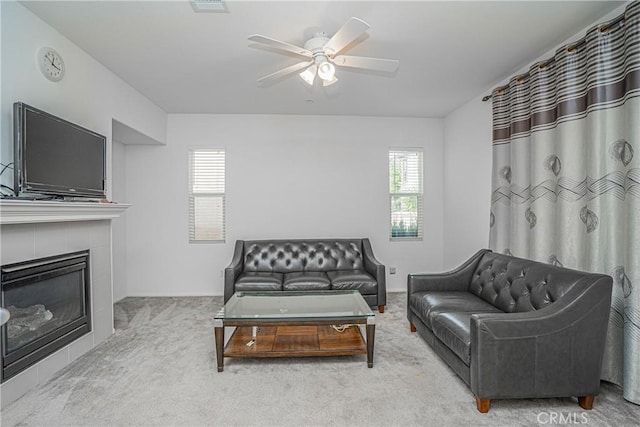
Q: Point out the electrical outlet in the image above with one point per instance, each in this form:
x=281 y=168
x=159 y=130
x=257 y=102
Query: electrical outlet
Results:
x=392 y=270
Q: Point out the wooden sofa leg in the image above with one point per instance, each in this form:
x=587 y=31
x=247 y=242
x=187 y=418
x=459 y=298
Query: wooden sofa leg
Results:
x=586 y=402
x=413 y=327
x=381 y=308
x=483 y=405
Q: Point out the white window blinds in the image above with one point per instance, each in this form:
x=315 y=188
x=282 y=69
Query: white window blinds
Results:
x=405 y=194
x=206 y=195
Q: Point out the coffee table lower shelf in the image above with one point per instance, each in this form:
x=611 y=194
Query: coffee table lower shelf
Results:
x=295 y=341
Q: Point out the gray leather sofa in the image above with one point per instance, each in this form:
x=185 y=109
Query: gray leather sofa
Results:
x=300 y=265
x=515 y=328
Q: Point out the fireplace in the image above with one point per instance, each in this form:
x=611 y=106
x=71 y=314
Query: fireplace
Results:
x=48 y=299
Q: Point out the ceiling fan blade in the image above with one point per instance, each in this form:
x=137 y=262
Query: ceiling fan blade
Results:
x=350 y=31
x=362 y=62
x=285 y=71
x=277 y=44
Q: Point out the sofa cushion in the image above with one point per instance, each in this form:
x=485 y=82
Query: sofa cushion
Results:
x=453 y=329
x=427 y=304
x=353 y=280
x=286 y=256
x=259 y=281
x=516 y=285
x=305 y=281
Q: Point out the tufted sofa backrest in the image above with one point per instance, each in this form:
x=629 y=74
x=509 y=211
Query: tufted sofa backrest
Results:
x=284 y=256
x=517 y=285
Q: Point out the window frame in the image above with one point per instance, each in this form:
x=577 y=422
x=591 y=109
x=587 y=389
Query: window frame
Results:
x=419 y=195
x=192 y=195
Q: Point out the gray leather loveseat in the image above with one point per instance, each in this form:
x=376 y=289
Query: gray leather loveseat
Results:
x=515 y=328
x=301 y=265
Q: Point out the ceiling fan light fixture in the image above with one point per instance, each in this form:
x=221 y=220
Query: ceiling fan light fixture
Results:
x=326 y=83
x=309 y=74
x=209 y=6
x=326 y=71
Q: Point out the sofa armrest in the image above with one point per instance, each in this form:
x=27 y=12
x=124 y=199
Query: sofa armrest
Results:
x=455 y=280
x=233 y=270
x=554 y=351
x=376 y=269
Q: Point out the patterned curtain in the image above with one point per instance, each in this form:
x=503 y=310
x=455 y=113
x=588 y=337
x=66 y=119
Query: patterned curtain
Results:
x=566 y=173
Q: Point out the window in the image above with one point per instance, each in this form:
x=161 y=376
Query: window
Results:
x=405 y=193
x=206 y=195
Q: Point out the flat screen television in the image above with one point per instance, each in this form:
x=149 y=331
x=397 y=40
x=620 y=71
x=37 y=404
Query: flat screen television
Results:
x=54 y=157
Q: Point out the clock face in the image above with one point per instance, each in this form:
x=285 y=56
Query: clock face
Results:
x=51 y=64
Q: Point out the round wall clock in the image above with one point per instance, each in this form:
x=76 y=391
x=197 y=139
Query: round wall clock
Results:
x=51 y=64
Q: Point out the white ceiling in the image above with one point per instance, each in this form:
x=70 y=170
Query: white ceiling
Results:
x=189 y=62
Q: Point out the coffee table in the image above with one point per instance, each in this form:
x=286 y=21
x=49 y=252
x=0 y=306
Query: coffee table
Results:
x=295 y=324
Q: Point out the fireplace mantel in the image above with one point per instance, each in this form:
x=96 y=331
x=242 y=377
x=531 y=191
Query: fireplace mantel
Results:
x=32 y=211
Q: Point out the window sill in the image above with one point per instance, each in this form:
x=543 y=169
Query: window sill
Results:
x=405 y=239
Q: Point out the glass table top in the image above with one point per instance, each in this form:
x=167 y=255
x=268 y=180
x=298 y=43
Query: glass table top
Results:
x=295 y=305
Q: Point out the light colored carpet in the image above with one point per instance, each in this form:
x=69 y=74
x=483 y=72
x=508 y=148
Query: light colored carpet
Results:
x=159 y=369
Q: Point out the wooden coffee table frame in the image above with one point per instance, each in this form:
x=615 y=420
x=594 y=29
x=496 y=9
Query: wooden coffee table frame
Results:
x=294 y=349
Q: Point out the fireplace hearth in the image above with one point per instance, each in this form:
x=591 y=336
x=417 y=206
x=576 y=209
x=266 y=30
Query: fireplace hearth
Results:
x=48 y=299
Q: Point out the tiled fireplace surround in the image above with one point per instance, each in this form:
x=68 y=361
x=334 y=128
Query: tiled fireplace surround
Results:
x=31 y=234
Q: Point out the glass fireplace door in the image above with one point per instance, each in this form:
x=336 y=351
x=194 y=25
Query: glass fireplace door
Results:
x=49 y=305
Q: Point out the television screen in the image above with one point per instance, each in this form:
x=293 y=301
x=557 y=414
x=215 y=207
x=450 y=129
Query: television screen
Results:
x=56 y=157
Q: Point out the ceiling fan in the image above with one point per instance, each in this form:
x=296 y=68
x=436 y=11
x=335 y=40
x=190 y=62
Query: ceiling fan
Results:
x=322 y=55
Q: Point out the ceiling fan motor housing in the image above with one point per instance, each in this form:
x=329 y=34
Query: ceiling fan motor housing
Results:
x=316 y=44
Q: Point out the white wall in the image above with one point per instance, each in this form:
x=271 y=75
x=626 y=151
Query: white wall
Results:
x=89 y=94
x=467 y=181
x=119 y=225
x=271 y=159
x=287 y=177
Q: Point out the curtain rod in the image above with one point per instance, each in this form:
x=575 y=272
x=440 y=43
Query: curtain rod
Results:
x=569 y=47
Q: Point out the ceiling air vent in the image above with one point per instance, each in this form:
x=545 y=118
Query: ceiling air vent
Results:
x=209 y=6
